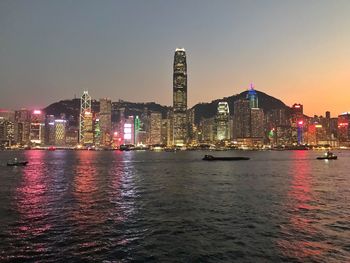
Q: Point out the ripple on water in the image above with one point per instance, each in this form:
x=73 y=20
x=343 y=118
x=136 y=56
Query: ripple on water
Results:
x=172 y=207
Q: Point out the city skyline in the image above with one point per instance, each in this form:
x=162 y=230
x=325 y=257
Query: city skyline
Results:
x=295 y=52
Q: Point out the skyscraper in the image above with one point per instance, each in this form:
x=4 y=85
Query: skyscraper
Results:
x=105 y=121
x=222 y=121
x=85 y=118
x=241 y=118
x=298 y=123
x=252 y=97
x=180 y=98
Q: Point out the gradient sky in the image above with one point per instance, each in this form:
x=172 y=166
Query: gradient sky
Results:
x=297 y=51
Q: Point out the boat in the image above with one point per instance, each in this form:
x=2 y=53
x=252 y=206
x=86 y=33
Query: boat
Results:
x=328 y=156
x=212 y=158
x=15 y=162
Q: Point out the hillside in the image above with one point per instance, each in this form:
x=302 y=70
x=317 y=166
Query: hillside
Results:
x=202 y=110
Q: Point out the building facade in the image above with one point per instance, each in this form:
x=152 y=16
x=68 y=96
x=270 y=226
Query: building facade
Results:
x=180 y=127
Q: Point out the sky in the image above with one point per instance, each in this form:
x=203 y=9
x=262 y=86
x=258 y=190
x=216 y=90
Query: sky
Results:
x=296 y=50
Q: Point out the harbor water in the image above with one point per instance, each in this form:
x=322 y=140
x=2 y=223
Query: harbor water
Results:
x=110 y=206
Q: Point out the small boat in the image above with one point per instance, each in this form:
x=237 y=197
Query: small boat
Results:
x=17 y=163
x=212 y=158
x=328 y=156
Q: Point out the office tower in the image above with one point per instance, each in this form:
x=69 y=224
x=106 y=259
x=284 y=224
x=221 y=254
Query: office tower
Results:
x=120 y=125
x=241 y=118
x=344 y=129
x=50 y=130
x=222 y=121
x=327 y=124
x=72 y=135
x=192 y=128
x=207 y=130
x=7 y=128
x=155 y=133
x=252 y=97
x=85 y=119
x=180 y=98
x=37 y=127
x=60 y=132
x=88 y=130
x=170 y=128
x=298 y=123
x=257 y=123
x=7 y=132
x=128 y=130
x=22 y=126
x=105 y=121
x=137 y=129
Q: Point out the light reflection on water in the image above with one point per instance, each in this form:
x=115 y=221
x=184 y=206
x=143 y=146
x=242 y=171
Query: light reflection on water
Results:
x=304 y=243
x=95 y=206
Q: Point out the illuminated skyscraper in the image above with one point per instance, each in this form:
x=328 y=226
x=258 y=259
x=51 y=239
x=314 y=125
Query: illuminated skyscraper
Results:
x=128 y=131
x=252 y=97
x=105 y=121
x=22 y=126
x=155 y=128
x=180 y=98
x=85 y=118
x=137 y=128
x=37 y=125
x=7 y=130
x=257 y=123
x=298 y=123
x=249 y=120
x=60 y=132
x=242 y=118
x=222 y=121
x=344 y=128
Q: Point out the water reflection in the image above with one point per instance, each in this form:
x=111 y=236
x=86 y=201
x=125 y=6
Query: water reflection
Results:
x=303 y=242
x=32 y=202
x=86 y=190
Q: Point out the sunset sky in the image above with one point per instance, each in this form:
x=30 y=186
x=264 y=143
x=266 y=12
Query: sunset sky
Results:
x=297 y=51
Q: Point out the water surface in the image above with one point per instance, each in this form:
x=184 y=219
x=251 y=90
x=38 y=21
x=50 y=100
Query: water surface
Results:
x=173 y=207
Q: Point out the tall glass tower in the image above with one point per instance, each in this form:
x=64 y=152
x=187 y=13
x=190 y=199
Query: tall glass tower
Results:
x=252 y=97
x=85 y=117
x=180 y=98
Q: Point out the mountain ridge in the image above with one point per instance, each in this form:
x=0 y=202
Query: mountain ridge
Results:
x=202 y=110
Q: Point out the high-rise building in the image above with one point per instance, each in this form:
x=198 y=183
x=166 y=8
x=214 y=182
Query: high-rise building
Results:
x=241 y=118
x=344 y=128
x=7 y=128
x=85 y=119
x=37 y=127
x=298 y=123
x=60 y=132
x=257 y=123
x=7 y=132
x=155 y=128
x=88 y=130
x=207 y=130
x=249 y=120
x=180 y=127
x=252 y=97
x=105 y=121
x=22 y=126
x=128 y=131
x=222 y=121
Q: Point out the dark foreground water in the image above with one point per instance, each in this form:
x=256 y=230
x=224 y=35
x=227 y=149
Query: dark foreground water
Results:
x=172 y=207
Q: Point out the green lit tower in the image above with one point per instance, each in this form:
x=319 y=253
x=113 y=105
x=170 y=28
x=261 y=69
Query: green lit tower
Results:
x=137 y=127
